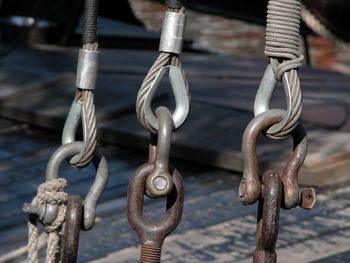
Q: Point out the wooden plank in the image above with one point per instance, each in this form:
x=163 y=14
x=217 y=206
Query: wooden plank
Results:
x=323 y=104
x=226 y=95
x=48 y=105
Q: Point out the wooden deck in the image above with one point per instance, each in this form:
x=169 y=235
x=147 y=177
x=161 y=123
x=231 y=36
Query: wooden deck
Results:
x=39 y=86
x=36 y=90
x=215 y=227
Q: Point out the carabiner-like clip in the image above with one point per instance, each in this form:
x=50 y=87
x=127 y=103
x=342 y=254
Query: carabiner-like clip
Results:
x=101 y=166
x=249 y=190
x=262 y=102
x=159 y=183
x=181 y=94
x=153 y=234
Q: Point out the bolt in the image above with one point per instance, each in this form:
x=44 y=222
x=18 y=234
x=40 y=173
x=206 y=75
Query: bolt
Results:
x=46 y=213
x=160 y=183
x=307 y=198
x=34 y=210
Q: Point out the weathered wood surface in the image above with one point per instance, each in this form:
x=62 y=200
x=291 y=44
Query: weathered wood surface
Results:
x=222 y=90
x=215 y=226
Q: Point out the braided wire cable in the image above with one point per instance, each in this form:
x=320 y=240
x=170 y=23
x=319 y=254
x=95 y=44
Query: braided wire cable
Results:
x=90 y=21
x=173 y=4
x=282 y=47
x=163 y=59
x=86 y=98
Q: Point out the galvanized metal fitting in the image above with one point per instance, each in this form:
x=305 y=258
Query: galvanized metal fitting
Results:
x=99 y=184
x=153 y=234
x=172 y=37
x=160 y=183
x=46 y=213
x=250 y=189
x=87 y=69
x=181 y=94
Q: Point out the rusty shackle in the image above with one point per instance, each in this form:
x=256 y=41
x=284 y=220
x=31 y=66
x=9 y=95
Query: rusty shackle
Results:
x=250 y=188
x=268 y=218
x=153 y=234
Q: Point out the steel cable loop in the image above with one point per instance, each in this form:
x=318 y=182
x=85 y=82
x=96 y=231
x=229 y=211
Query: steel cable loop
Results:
x=164 y=59
x=282 y=46
x=86 y=99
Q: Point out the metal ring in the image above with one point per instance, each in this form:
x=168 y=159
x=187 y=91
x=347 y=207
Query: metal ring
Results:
x=153 y=233
x=249 y=189
x=159 y=183
x=263 y=97
x=182 y=98
x=99 y=184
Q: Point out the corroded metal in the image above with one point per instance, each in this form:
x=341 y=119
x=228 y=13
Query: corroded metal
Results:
x=72 y=229
x=307 y=198
x=249 y=190
x=268 y=218
x=153 y=234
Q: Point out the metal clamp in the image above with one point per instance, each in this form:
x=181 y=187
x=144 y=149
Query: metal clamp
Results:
x=153 y=234
x=159 y=183
x=182 y=97
x=263 y=97
x=172 y=37
x=52 y=171
x=87 y=69
x=249 y=190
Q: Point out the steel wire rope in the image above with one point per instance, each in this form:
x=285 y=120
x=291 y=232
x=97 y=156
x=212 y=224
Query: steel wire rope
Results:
x=282 y=47
x=163 y=59
x=86 y=97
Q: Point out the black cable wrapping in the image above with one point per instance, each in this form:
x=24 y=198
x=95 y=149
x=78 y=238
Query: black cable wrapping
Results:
x=174 y=4
x=90 y=22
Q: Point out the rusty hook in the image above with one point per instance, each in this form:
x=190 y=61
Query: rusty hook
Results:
x=250 y=189
x=153 y=234
x=268 y=218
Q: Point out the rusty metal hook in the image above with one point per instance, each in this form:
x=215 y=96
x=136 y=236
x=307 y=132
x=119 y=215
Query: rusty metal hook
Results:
x=268 y=218
x=153 y=234
x=249 y=189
